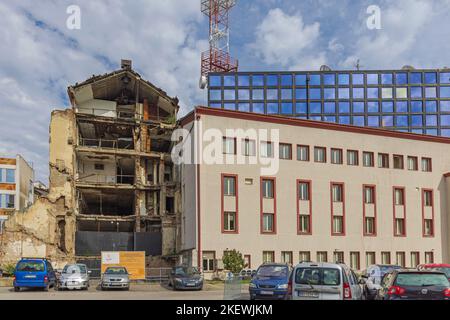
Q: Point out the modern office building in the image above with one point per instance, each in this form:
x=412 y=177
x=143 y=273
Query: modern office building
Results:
x=406 y=100
x=341 y=193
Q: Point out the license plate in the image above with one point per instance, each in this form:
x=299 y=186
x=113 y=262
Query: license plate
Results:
x=30 y=277
x=190 y=284
x=307 y=294
x=267 y=293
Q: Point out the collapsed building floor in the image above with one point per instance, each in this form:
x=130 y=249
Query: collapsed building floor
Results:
x=110 y=162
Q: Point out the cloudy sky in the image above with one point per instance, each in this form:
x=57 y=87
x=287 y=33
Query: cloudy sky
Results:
x=40 y=57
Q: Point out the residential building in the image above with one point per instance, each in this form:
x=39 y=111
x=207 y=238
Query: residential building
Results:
x=342 y=193
x=405 y=100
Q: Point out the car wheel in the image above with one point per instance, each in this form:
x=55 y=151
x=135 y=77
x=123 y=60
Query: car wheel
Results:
x=16 y=289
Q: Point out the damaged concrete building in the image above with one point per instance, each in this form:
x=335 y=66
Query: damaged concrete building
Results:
x=113 y=186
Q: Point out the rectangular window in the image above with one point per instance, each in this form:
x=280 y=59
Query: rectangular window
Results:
x=10 y=176
x=304 y=224
x=303 y=153
x=428 y=223
x=268 y=188
x=413 y=164
x=386 y=258
x=399 y=227
x=304 y=256
x=229 y=186
x=99 y=166
x=354 y=261
x=338 y=225
x=320 y=154
x=338 y=257
x=426 y=165
x=370 y=259
x=352 y=158
x=229 y=145
x=429 y=257
x=428 y=228
x=247 y=261
x=268 y=256
x=268 y=222
x=398 y=162
x=208 y=261
x=415 y=259
x=383 y=160
x=229 y=221
x=428 y=198
x=285 y=151
x=399 y=197
x=322 y=256
x=400 y=259
x=369 y=226
x=304 y=191
x=286 y=257
x=249 y=148
x=337 y=192
x=368 y=159
x=266 y=149
x=336 y=156
x=369 y=195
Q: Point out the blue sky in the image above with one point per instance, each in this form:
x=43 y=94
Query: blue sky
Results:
x=40 y=56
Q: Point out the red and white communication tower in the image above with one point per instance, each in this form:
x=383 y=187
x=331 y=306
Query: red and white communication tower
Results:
x=217 y=58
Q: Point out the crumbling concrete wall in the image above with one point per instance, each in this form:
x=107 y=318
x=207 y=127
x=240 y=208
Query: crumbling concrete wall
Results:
x=47 y=228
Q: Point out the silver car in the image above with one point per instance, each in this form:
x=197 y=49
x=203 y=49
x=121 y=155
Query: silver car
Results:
x=115 y=278
x=324 y=281
x=74 y=276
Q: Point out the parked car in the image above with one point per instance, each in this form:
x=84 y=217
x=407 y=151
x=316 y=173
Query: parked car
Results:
x=270 y=282
x=185 y=278
x=74 y=276
x=115 y=278
x=414 y=285
x=324 y=281
x=34 y=273
x=445 y=268
x=371 y=279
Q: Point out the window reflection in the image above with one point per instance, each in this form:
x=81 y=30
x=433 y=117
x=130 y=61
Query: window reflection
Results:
x=430 y=78
x=401 y=78
x=344 y=93
x=402 y=121
x=372 y=78
x=314 y=80
x=329 y=79
x=258 y=80
x=286 y=80
x=358 y=79
x=416 y=121
x=229 y=81
x=344 y=107
x=358 y=93
x=387 y=78
x=215 y=81
x=416 y=92
x=244 y=81
x=300 y=80
x=402 y=106
x=415 y=78
x=358 y=107
x=373 y=121
x=329 y=93
x=445 y=77
x=431 y=106
x=358 y=121
x=388 y=106
x=272 y=80
x=330 y=107
x=416 y=106
x=373 y=107
x=372 y=93
x=344 y=79
x=315 y=107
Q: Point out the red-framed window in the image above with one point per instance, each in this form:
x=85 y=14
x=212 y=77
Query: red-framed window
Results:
x=353 y=158
x=413 y=163
x=268 y=219
x=268 y=256
x=368 y=159
x=320 y=154
x=399 y=161
x=229 y=219
x=370 y=198
x=399 y=199
x=229 y=145
x=383 y=160
x=427 y=165
x=355 y=260
x=304 y=194
x=427 y=223
x=337 y=195
x=336 y=156
x=285 y=151
x=303 y=153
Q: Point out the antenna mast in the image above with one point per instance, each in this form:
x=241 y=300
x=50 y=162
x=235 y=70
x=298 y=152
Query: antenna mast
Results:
x=217 y=58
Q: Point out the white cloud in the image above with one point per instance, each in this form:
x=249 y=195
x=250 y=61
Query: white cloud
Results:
x=283 y=39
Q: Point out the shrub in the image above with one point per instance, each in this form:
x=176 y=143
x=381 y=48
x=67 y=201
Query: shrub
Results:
x=233 y=261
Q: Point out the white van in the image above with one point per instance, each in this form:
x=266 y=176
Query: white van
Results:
x=324 y=281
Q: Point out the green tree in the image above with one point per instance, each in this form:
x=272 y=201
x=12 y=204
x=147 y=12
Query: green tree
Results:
x=233 y=261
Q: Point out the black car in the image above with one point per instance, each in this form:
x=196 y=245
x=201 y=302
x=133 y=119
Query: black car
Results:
x=414 y=285
x=185 y=278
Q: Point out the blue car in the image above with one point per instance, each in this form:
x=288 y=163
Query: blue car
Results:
x=34 y=273
x=271 y=281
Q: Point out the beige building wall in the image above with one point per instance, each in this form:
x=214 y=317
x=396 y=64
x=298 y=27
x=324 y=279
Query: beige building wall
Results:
x=250 y=241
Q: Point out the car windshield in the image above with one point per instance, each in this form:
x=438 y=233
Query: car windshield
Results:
x=444 y=270
x=422 y=280
x=74 y=269
x=31 y=266
x=116 y=271
x=318 y=276
x=272 y=271
x=185 y=271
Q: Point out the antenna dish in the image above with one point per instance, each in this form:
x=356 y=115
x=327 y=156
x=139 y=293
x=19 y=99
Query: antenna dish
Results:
x=325 y=68
x=407 y=67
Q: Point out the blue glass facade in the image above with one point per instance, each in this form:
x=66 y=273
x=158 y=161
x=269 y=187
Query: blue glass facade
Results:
x=416 y=101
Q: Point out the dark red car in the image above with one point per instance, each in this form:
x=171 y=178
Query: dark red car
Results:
x=442 y=267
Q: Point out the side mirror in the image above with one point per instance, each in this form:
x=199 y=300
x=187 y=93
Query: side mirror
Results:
x=89 y=272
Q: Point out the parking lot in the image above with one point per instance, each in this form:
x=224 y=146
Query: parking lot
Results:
x=213 y=291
